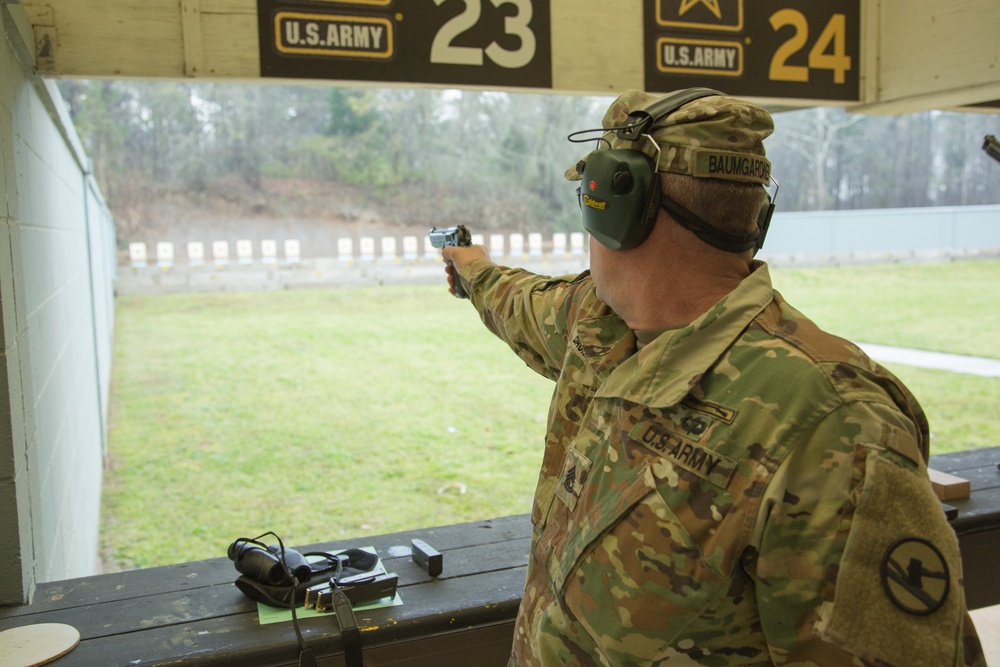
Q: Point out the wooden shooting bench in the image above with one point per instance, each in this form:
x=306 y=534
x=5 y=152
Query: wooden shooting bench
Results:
x=977 y=522
x=192 y=614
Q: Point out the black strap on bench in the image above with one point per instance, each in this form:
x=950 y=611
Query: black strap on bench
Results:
x=350 y=634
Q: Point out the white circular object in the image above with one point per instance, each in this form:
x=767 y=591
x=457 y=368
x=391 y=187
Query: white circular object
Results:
x=31 y=645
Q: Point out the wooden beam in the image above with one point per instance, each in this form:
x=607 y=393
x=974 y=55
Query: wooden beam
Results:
x=915 y=54
x=581 y=44
x=237 y=56
x=20 y=33
x=934 y=55
x=871 y=13
x=43 y=21
x=951 y=99
x=113 y=38
x=191 y=30
x=947 y=486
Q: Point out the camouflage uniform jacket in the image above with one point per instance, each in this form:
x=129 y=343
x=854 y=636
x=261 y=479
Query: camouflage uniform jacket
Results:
x=747 y=490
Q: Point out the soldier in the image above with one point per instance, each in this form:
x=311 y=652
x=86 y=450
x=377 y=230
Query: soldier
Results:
x=723 y=483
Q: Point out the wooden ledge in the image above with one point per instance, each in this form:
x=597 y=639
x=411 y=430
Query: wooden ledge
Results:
x=192 y=612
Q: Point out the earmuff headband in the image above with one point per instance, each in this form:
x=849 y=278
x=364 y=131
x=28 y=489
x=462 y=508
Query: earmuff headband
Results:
x=641 y=121
x=706 y=232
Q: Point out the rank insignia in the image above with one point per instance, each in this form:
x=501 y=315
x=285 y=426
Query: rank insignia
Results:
x=574 y=474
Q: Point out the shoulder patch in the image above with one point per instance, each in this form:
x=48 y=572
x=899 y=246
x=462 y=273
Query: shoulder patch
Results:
x=895 y=598
x=915 y=576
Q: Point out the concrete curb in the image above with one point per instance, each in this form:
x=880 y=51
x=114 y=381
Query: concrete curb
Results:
x=941 y=361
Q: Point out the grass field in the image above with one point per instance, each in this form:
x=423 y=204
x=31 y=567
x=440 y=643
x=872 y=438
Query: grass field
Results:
x=324 y=414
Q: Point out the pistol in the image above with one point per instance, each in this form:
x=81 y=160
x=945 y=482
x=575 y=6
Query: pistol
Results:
x=448 y=236
x=992 y=147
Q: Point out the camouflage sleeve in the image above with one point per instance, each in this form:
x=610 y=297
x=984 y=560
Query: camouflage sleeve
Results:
x=530 y=313
x=855 y=562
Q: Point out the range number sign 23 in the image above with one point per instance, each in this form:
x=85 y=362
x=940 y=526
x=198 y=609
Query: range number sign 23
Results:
x=478 y=42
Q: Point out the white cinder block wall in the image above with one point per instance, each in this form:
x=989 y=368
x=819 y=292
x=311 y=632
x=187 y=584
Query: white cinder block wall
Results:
x=56 y=271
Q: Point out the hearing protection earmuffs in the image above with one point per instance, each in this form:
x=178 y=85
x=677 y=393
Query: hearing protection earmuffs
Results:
x=620 y=194
x=276 y=575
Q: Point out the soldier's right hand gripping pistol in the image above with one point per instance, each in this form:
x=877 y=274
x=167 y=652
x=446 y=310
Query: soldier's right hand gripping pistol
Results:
x=449 y=236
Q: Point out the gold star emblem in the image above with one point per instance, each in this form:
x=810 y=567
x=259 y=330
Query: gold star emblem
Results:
x=712 y=5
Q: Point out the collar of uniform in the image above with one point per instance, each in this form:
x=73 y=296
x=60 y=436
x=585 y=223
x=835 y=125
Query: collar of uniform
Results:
x=604 y=342
x=664 y=371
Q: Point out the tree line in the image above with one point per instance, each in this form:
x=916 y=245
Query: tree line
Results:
x=445 y=156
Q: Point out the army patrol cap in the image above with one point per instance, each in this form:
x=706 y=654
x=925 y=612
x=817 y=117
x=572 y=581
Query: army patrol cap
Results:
x=711 y=137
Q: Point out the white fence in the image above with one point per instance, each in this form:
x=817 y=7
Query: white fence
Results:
x=389 y=250
x=811 y=235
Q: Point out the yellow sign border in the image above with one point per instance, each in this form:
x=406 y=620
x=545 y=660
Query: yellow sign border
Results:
x=692 y=70
x=377 y=3
x=313 y=51
x=701 y=26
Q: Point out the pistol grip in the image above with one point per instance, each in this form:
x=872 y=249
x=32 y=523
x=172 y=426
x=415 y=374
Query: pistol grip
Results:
x=459 y=287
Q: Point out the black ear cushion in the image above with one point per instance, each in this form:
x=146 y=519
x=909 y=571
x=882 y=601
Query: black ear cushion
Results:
x=652 y=207
x=361 y=560
x=763 y=218
x=764 y=221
